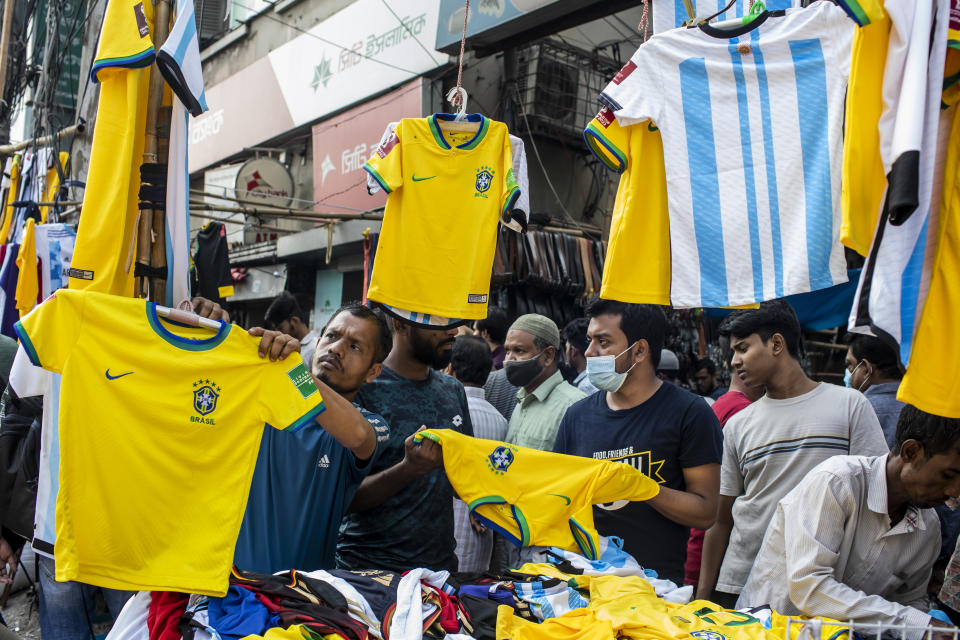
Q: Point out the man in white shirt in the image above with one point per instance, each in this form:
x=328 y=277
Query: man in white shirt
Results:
x=771 y=445
x=470 y=363
x=857 y=538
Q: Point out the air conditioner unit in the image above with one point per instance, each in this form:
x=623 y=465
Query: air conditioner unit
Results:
x=211 y=20
x=558 y=86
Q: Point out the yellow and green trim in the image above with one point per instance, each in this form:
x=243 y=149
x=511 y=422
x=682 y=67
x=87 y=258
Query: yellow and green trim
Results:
x=584 y=540
x=27 y=344
x=376 y=176
x=307 y=418
x=605 y=151
x=472 y=143
x=522 y=540
x=135 y=61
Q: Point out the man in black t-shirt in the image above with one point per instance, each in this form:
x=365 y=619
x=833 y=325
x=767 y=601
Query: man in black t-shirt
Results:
x=664 y=431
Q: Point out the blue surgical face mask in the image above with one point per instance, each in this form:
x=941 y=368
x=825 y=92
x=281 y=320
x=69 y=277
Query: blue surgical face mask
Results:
x=602 y=371
x=848 y=376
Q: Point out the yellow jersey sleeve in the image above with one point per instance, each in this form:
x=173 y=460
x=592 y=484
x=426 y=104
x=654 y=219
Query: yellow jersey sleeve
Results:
x=49 y=332
x=289 y=395
x=620 y=481
x=608 y=141
x=511 y=191
x=125 y=39
x=386 y=164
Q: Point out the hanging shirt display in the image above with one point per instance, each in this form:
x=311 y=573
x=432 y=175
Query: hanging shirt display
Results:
x=448 y=189
x=106 y=236
x=26 y=380
x=159 y=428
x=179 y=62
x=751 y=120
x=936 y=351
x=536 y=497
x=894 y=280
x=522 y=203
x=864 y=181
x=670 y=14
x=640 y=226
x=212 y=263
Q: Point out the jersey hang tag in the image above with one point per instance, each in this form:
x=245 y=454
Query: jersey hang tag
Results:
x=141 y=20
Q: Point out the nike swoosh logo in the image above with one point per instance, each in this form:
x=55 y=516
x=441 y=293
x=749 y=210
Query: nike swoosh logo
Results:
x=416 y=179
x=560 y=496
x=110 y=377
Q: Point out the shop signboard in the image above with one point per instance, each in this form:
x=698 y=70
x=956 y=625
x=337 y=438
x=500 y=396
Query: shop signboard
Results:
x=341 y=146
x=495 y=20
x=358 y=52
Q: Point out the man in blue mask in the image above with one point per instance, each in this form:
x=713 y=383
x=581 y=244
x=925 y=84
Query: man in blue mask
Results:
x=661 y=429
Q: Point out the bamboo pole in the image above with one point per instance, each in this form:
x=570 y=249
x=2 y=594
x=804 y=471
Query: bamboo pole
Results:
x=43 y=141
x=145 y=225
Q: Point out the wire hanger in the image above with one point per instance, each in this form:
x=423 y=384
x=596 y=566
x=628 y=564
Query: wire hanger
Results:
x=458 y=95
x=188 y=318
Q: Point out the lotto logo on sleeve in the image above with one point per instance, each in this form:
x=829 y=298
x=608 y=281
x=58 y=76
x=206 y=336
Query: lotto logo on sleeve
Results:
x=302 y=380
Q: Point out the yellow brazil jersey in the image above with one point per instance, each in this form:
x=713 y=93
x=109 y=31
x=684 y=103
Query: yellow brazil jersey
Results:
x=863 y=180
x=11 y=196
x=106 y=235
x=159 y=430
x=28 y=284
x=931 y=382
x=637 y=267
x=447 y=192
x=536 y=497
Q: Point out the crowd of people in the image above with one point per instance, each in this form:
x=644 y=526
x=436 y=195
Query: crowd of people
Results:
x=814 y=498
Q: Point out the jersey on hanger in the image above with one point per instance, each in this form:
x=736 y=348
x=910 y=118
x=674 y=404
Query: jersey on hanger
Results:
x=534 y=497
x=670 y=14
x=522 y=204
x=448 y=189
x=640 y=226
x=159 y=428
x=751 y=121
x=106 y=235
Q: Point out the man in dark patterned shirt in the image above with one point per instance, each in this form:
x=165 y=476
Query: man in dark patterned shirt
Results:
x=402 y=514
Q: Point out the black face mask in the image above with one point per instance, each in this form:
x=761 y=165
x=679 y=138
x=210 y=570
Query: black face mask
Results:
x=520 y=373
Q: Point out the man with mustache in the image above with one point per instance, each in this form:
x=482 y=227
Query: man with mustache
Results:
x=304 y=480
x=857 y=538
x=401 y=517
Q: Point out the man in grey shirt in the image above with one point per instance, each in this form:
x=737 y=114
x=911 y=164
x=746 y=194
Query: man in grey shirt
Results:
x=873 y=367
x=770 y=446
x=857 y=538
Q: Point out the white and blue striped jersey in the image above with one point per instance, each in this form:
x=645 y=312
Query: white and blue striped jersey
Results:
x=914 y=134
x=670 y=14
x=751 y=120
x=179 y=62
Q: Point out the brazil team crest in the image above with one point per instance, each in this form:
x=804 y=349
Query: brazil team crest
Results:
x=206 y=393
x=501 y=459
x=484 y=181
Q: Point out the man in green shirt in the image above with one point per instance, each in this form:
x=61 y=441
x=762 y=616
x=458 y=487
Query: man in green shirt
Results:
x=531 y=363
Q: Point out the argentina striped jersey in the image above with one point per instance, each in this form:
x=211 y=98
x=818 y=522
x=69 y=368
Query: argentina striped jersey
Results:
x=751 y=121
